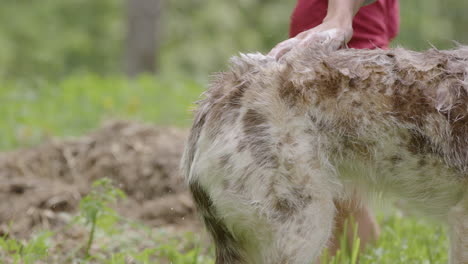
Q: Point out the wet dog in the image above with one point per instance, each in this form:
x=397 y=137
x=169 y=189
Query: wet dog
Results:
x=274 y=143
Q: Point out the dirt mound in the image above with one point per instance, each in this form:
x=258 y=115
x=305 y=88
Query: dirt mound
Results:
x=42 y=186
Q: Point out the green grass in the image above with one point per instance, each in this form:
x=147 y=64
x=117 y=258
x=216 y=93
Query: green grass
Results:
x=108 y=238
x=30 y=114
x=403 y=240
x=112 y=239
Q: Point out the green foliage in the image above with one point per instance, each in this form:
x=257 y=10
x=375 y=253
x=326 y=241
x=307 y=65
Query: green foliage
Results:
x=96 y=208
x=408 y=240
x=52 y=39
x=49 y=38
x=27 y=253
x=425 y=23
x=402 y=240
x=346 y=253
x=31 y=113
x=174 y=254
x=202 y=35
x=97 y=214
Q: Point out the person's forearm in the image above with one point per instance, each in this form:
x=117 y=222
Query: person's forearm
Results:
x=336 y=29
x=343 y=11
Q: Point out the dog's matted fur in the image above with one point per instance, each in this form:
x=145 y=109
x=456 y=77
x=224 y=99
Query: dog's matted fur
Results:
x=273 y=145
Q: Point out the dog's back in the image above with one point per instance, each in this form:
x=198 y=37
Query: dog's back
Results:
x=274 y=143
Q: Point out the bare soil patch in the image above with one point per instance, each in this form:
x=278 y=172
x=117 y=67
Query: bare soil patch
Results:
x=41 y=187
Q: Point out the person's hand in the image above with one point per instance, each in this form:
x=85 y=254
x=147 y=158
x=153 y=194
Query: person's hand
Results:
x=332 y=33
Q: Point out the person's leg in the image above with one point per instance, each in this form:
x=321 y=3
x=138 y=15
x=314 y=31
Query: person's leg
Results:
x=458 y=223
x=368 y=229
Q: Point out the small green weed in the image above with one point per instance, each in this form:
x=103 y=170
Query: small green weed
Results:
x=96 y=208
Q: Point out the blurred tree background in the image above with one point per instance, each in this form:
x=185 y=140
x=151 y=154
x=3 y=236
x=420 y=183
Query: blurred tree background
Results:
x=64 y=65
x=50 y=39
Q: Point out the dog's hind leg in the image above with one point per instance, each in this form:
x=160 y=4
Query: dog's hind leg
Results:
x=458 y=221
x=300 y=238
x=291 y=224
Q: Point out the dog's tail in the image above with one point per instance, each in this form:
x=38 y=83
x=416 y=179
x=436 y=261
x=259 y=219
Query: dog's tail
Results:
x=228 y=248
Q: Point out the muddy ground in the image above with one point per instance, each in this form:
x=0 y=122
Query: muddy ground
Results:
x=40 y=187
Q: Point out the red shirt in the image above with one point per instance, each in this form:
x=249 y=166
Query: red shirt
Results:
x=374 y=25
